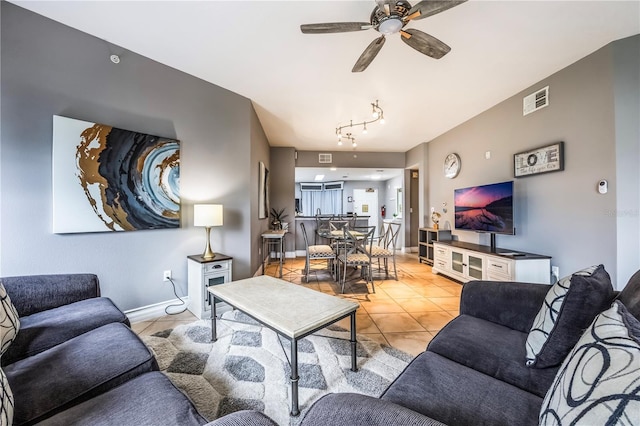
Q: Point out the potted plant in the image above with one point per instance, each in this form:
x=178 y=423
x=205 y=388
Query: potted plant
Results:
x=277 y=217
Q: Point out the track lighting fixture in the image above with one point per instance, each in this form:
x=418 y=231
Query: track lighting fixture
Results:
x=376 y=112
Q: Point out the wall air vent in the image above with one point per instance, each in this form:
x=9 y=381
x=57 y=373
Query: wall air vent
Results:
x=311 y=186
x=325 y=158
x=535 y=101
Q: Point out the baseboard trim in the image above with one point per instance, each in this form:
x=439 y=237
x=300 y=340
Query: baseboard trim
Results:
x=150 y=312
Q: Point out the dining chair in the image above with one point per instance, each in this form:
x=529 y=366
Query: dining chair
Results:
x=352 y=218
x=355 y=251
x=338 y=225
x=317 y=252
x=336 y=230
x=385 y=248
x=322 y=227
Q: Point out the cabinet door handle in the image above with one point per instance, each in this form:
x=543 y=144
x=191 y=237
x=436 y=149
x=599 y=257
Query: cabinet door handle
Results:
x=217 y=266
x=497 y=266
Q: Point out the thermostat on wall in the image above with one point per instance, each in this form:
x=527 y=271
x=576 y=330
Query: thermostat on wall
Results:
x=603 y=186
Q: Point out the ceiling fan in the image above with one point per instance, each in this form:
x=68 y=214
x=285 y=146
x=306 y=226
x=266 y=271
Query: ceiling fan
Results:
x=390 y=17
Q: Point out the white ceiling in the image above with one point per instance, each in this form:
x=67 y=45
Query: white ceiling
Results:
x=302 y=86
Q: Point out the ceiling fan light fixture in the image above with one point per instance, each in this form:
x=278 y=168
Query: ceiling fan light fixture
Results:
x=391 y=25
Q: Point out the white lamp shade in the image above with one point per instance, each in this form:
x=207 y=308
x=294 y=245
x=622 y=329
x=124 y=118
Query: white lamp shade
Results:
x=207 y=215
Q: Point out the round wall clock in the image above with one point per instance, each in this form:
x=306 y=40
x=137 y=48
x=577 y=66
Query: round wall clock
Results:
x=451 y=165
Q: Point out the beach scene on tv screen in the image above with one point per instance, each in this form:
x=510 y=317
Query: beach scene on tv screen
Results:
x=487 y=208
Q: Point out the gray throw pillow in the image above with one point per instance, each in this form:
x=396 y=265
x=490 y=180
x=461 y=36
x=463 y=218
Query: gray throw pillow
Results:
x=568 y=309
x=9 y=320
x=6 y=407
x=598 y=382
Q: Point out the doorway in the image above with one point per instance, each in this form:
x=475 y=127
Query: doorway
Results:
x=365 y=203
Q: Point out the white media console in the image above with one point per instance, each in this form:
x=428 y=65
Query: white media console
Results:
x=465 y=262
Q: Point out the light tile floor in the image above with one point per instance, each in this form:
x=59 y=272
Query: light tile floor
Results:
x=405 y=314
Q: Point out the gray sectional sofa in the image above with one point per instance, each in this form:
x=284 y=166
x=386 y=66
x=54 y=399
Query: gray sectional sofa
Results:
x=75 y=361
x=474 y=373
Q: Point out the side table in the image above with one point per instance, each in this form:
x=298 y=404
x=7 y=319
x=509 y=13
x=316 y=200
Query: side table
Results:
x=273 y=242
x=201 y=274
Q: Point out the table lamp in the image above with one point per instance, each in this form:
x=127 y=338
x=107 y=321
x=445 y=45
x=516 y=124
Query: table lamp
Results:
x=207 y=215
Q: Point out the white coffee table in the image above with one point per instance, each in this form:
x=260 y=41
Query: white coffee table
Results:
x=290 y=310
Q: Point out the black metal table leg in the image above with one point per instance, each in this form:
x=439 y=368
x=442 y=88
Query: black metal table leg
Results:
x=214 y=331
x=294 y=378
x=262 y=254
x=281 y=254
x=354 y=363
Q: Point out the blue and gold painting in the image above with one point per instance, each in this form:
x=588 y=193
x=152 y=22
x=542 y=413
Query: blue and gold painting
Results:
x=109 y=179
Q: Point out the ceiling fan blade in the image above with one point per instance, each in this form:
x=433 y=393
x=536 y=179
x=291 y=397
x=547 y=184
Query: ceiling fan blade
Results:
x=369 y=54
x=334 y=27
x=431 y=7
x=424 y=43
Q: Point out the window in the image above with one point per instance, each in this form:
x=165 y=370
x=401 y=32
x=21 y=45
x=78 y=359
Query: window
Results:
x=324 y=198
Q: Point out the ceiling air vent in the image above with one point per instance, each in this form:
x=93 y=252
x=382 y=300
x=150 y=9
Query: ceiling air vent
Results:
x=535 y=101
x=324 y=158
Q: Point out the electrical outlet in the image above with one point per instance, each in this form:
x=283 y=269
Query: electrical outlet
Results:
x=166 y=276
x=555 y=270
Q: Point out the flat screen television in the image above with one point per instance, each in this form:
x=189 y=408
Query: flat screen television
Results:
x=485 y=208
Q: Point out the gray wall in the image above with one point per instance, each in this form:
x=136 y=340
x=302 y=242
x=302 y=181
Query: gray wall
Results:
x=626 y=71
x=283 y=187
x=558 y=214
x=47 y=69
x=382 y=160
x=260 y=151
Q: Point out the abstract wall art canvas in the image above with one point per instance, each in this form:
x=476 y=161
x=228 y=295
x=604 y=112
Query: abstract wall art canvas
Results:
x=109 y=179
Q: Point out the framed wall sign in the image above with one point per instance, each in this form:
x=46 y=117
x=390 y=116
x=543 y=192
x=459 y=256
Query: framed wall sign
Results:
x=548 y=158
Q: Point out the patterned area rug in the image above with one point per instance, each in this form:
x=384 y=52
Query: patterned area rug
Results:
x=247 y=368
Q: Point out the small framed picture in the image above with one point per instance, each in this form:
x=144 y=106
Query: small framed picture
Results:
x=546 y=159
